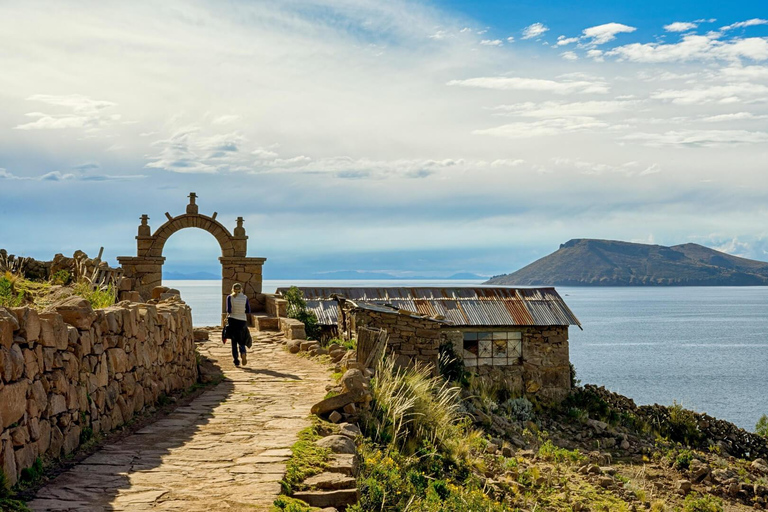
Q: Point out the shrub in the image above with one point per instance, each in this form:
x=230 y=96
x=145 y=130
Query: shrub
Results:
x=520 y=409
x=297 y=309
x=98 y=298
x=450 y=364
x=682 y=426
x=762 y=426
x=61 y=277
x=549 y=451
x=695 y=503
x=683 y=460
x=574 y=381
x=9 y=296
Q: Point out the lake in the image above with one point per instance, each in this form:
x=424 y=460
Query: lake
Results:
x=705 y=347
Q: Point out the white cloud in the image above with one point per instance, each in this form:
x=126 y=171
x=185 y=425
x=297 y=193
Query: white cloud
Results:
x=535 y=30
x=62 y=176
x=694 y=47
x=546 y=127
x=569 y=56
x=562 y=40
x=699 y=138
x=746 y=72
x=553 y=109
x=227 y=119
x=533 y=84
x=511 y=39
x=492 y=42
x=602 y=34
x=736 y=116
x=596 y=55
x=680 y=26
x=743 y=24
x=730 y=93
x=84 y=113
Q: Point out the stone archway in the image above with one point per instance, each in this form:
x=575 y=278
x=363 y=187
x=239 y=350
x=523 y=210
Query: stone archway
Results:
x=145 y=270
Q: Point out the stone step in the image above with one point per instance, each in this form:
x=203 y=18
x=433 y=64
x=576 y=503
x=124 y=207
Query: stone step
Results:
x=267 y=323
x=330 y=482
x=321 y=499
x=343 y=463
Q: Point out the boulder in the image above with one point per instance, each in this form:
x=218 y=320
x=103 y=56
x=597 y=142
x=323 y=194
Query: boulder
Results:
x=354 y=381
x=334 y=402
x=337 y=444
x=344 y=463
x=293 y=346
x=76 y=311
x=335 y=417
x=157 y=291
x=349 y=430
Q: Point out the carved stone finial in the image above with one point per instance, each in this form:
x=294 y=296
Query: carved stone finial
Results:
x=192 y=207
x=240 y=230
x=144 y=229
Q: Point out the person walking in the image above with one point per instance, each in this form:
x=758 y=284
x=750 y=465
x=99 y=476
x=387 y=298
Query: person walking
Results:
x=238 y=309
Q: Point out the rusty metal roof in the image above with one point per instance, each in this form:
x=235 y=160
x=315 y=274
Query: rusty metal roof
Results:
x=462 y=306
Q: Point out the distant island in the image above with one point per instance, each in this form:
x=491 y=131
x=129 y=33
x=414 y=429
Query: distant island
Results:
x=357 y=274
x=587 y=262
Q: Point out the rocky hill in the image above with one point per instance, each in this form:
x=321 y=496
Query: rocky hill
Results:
x=587 y=262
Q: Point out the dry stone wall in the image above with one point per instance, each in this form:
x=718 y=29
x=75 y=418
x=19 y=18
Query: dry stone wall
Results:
x=71 y=371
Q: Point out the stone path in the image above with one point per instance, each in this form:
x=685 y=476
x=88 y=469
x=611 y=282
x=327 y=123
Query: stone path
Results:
x=226 y=450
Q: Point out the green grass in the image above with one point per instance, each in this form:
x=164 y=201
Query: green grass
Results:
x=8 y=503
x=98 y=298
x=696 y=503
x=10 y=295
x=288 y=504
x=307 y=460
x=550 y=452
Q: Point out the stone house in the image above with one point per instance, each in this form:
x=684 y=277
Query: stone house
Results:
x=516 y=334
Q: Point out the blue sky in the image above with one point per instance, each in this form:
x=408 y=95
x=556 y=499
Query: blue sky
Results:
x=419 y=138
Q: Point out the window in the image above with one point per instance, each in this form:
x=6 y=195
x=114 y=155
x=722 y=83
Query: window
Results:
x=500 y=348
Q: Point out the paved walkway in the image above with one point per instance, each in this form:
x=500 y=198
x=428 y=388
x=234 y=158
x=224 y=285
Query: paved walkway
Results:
x=226 y=450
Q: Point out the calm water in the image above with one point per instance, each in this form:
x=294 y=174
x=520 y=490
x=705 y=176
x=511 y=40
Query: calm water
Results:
x=706 y=347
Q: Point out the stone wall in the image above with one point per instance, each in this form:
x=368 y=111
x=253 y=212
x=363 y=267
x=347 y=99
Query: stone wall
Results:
x=71 y=371
x=412 y=338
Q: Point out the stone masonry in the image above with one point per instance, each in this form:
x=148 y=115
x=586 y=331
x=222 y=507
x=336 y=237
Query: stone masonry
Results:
x=71 y=371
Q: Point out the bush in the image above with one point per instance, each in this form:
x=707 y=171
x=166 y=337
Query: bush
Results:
x=683 y=460
x=297 y=309
x=762 y=426
x=9 y=297
x=97 y=297
x=450 y=364
x=574 y=381
x=520 y=409
x=696 y=503
x=682 y=426
x=61 y=277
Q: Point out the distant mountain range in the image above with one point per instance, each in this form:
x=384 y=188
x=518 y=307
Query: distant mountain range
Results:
x=586 y=262
x=338 y=275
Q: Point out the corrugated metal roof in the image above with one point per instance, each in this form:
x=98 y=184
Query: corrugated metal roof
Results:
x=462 y=306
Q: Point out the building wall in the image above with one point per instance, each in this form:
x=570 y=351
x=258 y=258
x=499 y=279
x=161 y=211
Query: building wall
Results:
x=543 y=368
x=411 y=339
x=71 y=369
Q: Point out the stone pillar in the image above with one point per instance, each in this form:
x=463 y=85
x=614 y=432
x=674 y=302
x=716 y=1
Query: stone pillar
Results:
x=146 y=272
x=247 y=272
x=240 y=240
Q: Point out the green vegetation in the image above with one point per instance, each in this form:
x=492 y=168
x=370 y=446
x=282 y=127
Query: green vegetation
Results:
x=682 y=460
x=762 y=426
x=307 y=460
x=99 y=298
x=32 y=474
x=695 y=503
x=7 y=501
x=348 y=344
x=682 y=426
x=61 y=277
x=450 y=364
x=289 y=504
x=297 y=308
x=10 y=296
x=549 y=451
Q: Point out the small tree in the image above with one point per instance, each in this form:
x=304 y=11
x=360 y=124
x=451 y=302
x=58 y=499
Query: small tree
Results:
x=297 y=308
x=762 y=426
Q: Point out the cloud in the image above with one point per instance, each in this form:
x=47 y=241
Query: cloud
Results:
x=699 y=138
x=61 y=176
x=680 y=26
x=694 y=47
x=569 y=56
x=535 y=30
x=546 y=127
x=227 y=119
x=605 y=33
x=492 y=42
x=534 y=84
x=736 y=116
x=729 y=93
x=511 y=39
x=744 y=24
x=562 y=40
x=553 y=109
x=745 y=72
x=85 y=113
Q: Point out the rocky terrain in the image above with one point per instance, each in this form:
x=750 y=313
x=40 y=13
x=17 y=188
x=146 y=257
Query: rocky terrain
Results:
x=586 y=262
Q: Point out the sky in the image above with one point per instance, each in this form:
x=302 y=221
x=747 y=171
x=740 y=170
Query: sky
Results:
x=416 y=138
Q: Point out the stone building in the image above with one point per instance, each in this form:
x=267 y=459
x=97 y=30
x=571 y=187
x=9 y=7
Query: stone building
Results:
x=516 y=334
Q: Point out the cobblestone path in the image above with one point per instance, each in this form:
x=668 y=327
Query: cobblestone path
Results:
x=226 y=450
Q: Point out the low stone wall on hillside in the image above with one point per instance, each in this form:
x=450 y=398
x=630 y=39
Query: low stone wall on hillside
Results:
x=727 y=436
x=70 y=372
